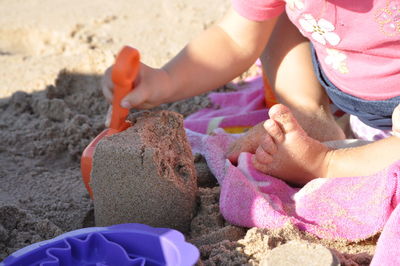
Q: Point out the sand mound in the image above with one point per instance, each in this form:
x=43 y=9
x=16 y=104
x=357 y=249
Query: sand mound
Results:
x=42 y=137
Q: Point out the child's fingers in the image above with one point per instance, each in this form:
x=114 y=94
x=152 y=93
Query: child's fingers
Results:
x=144 y=84
x=107 y=85
x=136 y=99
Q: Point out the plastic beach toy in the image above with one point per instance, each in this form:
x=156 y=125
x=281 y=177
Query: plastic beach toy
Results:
x=119 y=245
x=123 y=75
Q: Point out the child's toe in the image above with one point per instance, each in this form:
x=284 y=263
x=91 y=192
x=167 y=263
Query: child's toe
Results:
x=284 y=117
x=268 y=144
x=274 y=130
x=262 y=167
x=262 y=156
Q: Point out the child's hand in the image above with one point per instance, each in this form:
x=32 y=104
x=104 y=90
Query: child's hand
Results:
x=151 y=89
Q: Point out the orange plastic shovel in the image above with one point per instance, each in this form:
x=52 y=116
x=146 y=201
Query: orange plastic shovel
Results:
x=123 y=75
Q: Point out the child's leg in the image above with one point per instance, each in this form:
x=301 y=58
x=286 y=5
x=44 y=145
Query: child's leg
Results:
x=289 y=153
x=288 y=65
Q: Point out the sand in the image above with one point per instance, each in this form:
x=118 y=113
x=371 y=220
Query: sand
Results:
x=146 y=174
x=52 y=54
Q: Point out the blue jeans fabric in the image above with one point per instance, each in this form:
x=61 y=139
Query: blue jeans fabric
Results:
x=376 y=114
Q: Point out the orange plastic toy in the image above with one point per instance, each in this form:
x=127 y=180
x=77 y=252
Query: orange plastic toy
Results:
x=270 y=98
x=123 y=75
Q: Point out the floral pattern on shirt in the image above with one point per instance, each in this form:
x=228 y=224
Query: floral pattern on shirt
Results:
x=321 y=30
x=337 y=60
x=389 y=18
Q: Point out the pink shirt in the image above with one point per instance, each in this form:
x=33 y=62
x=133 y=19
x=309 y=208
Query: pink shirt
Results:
x=357 y=41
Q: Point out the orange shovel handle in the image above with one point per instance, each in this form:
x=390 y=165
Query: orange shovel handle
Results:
x=123 y=75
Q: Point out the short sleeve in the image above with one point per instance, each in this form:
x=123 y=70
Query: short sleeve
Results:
x=259 y=10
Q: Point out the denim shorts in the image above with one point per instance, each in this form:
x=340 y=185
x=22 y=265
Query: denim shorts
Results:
x=376 y=114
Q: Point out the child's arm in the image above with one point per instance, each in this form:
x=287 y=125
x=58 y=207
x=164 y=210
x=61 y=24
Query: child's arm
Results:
x=215 y=57
x=368 y=159
x=363 y=160
x=218 y=55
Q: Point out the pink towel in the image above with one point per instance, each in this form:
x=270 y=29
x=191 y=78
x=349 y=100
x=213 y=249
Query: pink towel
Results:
x=233 y=111
x=387 y=249
x=351 y=208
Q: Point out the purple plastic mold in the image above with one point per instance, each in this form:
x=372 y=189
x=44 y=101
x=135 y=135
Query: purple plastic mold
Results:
x=119 y=245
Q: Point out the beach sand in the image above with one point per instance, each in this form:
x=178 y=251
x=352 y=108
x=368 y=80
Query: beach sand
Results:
x=52 y=56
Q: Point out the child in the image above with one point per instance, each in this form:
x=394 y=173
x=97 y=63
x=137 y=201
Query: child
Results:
x=362 y=67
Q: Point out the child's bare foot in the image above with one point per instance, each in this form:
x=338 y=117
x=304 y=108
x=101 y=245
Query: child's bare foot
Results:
x=287 y=152
x=396 y=121
x=316 y=122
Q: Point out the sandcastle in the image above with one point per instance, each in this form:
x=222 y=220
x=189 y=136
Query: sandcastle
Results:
x=146 y=174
